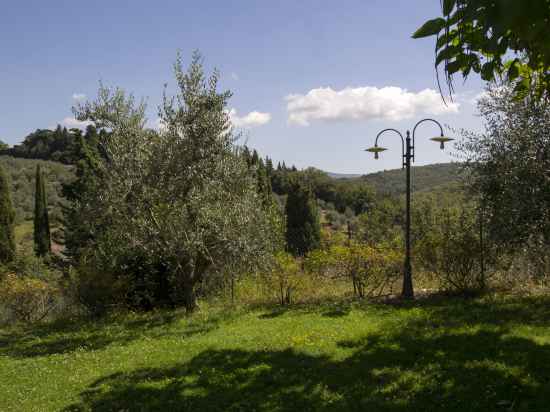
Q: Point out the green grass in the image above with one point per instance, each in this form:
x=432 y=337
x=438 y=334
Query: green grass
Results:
x=23 y=234
x=434 y=355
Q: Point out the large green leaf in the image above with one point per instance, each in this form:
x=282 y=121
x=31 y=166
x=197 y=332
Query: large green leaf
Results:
x=453 y=67
x=430 y=28
x=447 y=54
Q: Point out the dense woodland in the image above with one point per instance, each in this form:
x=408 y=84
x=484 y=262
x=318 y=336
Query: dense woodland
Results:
x=59 y=145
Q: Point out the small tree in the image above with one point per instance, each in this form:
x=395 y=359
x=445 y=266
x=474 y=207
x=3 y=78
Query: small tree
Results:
x=42 y=242
x=285 y=277
x=303 y=229
x=7 y=220
x=372 y=270
x=451 y=248
x=182 y=198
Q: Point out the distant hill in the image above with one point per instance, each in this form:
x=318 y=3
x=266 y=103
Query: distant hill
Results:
x=343 y=175
x=22 y=174
x=424 y=178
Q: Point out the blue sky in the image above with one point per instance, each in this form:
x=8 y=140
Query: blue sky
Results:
x=323 y=77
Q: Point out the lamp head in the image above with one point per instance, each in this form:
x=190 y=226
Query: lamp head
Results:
x=376 y=150
x=442 y=140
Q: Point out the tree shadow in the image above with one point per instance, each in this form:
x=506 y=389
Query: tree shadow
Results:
x=329 y=307
x=274 y=313
x=87 y=335
x=474 y=363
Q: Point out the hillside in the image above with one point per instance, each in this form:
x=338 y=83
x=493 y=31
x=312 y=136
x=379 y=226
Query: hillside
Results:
x=343 y=175
x=424 y=178
x=22 y=175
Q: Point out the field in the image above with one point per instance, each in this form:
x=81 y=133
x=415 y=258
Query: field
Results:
x=485 y=354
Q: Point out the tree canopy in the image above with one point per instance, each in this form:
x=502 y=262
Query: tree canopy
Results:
x=303 y=229
x=59 y=145
x=509 y=166
x=182 y=197
x=495 y=38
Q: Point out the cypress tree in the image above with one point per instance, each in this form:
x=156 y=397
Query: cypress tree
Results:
x=269 y=166
x=303 y=229
x=264 y=185
x=255 y=157
x=7 y=220
x=42 y=242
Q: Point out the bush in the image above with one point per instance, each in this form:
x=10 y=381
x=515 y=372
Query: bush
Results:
x=31 y=289
x=97 y=290
x=372 y=270
x=27 y=299
x=285 y=277
x=451 y=250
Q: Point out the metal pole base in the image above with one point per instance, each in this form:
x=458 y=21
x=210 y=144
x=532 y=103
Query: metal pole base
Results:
x=407 y=292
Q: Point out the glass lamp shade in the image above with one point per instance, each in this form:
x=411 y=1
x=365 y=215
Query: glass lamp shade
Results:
x=442 y=140
x=375 y=150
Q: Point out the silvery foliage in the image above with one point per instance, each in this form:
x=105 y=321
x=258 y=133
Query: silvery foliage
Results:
x=180 y=194
x=510 y=166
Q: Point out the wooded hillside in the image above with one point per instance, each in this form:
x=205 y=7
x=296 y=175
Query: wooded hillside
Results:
x=22 y=174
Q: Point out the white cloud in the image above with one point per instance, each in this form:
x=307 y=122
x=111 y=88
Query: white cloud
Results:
x=72 y=123
x=252 y=119
x=234 y=76
x=364 y=103
x=79 y=96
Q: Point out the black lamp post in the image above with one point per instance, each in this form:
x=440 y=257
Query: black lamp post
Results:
x=407 y=152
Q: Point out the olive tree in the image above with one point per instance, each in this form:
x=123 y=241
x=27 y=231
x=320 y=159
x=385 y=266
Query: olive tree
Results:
x=182 y=194
x=509 y=167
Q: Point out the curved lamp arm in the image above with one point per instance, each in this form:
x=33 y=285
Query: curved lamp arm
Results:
x=418 y=124
x=400 y=135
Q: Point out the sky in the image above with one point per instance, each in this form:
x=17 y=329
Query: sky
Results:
x=313 y=81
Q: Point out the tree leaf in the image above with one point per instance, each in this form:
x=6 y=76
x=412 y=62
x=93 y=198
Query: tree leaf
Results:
x=430 y=28
x=513 y=70
x=453 y=67
x=446 y=38
x=448 y=6
x=447 y=54
x=487 y=71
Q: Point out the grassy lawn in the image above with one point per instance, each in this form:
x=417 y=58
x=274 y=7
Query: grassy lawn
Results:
x=433 y=355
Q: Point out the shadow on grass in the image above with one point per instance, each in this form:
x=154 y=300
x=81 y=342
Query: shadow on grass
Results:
x=425 y=365
x=527 y=310
x=327 y=307
x=86 y=335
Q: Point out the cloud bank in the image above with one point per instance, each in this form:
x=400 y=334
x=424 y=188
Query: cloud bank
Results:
x=364 y=103
x=252 y=119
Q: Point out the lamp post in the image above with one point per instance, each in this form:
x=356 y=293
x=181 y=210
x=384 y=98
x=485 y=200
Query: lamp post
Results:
x=407 y=152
